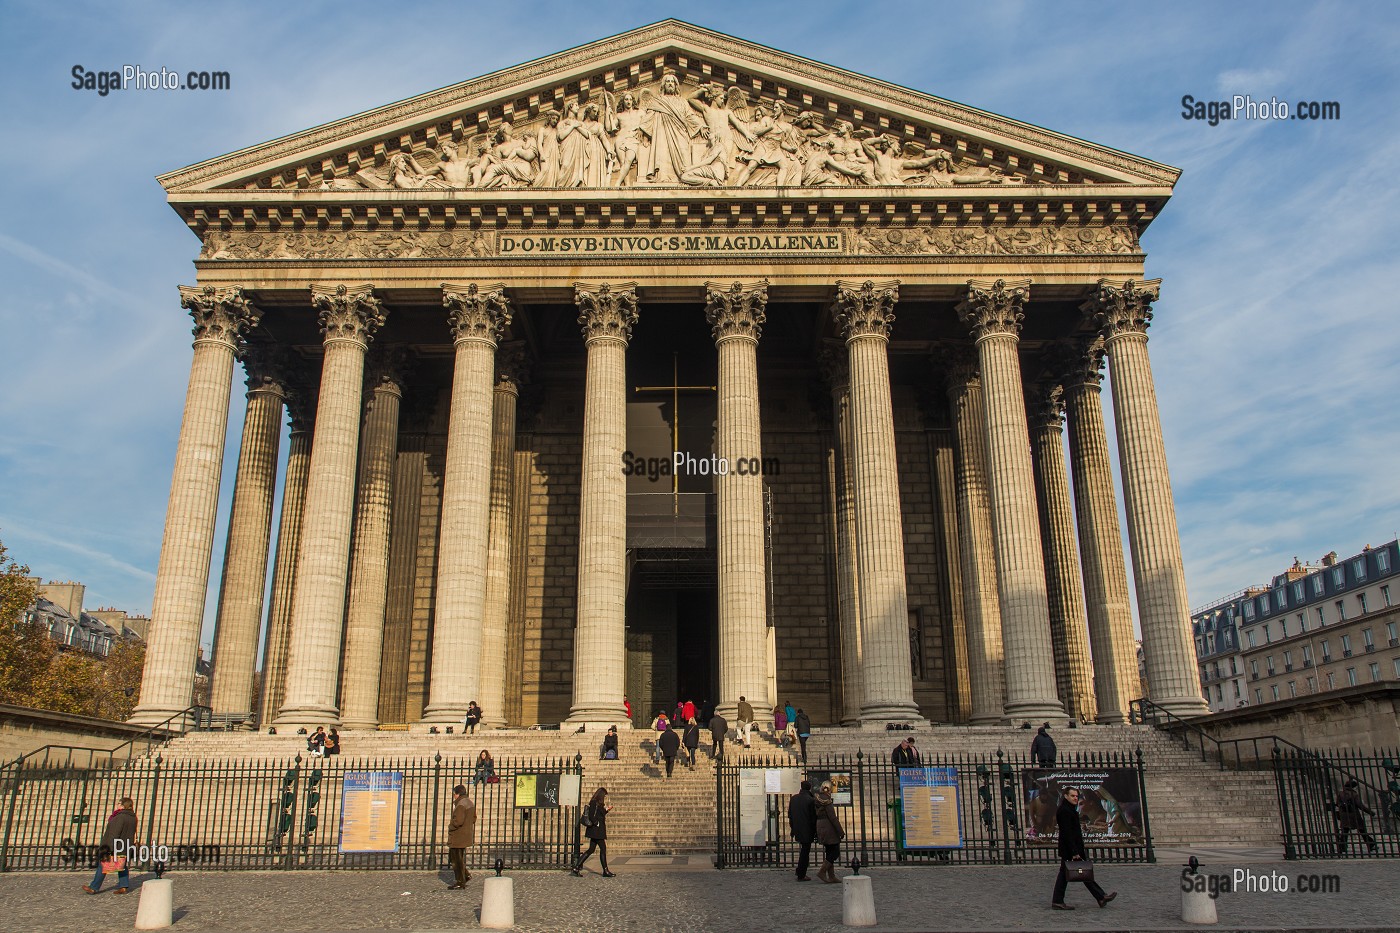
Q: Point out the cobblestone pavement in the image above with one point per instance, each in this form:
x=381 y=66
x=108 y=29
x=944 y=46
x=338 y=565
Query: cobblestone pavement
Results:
x=645 y=898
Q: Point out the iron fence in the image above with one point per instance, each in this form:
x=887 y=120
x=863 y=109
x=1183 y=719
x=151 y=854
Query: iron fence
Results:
x=1004 y=811
x=1317 y=824
x=276 y=815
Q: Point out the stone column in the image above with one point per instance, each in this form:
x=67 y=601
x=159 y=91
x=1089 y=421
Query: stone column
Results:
x=863 y=314
x=1100 y=542
x=349 y=318
x=301 y=409
x=478 y=317
x=369 y=562
x=221 y=317
x=607 y=315
x=1065 y=591
x=981 y=605
x=1122 y=312
x=510 y=372
x=736 y=313
x=249 y=531
x=833 y=360
x=993 y=311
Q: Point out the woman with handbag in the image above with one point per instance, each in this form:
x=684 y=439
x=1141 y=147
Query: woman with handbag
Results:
x=121 y=825
x=1074 y=858
x=829 y=833
x=594 y=820
x=485 y=769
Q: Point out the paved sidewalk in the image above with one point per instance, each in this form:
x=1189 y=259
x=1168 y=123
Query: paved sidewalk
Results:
x=686 y=898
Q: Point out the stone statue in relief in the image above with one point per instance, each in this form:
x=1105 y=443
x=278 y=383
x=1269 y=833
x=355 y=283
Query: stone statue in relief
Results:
x=712 y=168
x=598 y=148
x=848 y=152
x=547 y=145
x=668 y=127
x=405 y=173
x=769 y=131
x=573 y=148
x=454 y=171
x=630 y=139
x=514 y=160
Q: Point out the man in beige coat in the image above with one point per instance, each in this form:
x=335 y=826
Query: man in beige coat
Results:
x=461 y=833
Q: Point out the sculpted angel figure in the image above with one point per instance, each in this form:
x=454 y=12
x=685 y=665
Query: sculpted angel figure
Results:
x=667 y=125
x=513 y=160
x=711 y=169
x=547 y=144
x=630 y=139
x=774 y=144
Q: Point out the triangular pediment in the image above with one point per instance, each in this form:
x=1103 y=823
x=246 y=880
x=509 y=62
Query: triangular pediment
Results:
x=732 y=114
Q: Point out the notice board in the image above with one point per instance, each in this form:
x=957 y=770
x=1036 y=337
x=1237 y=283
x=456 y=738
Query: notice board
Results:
x=931 y=808
x=370 y=811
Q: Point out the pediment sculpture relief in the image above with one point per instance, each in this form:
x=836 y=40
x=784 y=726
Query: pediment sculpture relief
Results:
x=667 y=136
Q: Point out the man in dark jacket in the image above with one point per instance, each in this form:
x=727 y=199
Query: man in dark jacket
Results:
x=1043 y=747
x=905 y=755
x=719 y=728
x=1072 y=850
x=670 y=743
x=802 y=816
x=1349 y=818
x=804 y=731
x=461 y=835
x=692 y=741
x=118 y=841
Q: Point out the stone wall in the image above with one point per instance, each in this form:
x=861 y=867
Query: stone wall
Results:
x=1360 y=718
x=22 y=730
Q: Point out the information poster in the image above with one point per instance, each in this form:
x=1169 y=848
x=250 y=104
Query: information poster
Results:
x=370 y=811
x=840 y=782
x=539 y=790
x=753 y=807
x=1110 y=808
x=931 y=807
x=782 y=780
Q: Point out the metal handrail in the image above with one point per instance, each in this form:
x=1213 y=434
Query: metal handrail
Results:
x=199 y=715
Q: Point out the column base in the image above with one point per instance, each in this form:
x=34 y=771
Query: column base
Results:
x=369 y=725
x=596 y=718
x=997 y=720
x=154 y=716
x=1110 y=718
x=880 y=713
x=1185 y=707
x=308 y=717
x=1036 y=712
x=444 y=716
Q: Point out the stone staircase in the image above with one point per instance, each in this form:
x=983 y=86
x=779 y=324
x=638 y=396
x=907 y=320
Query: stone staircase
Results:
x=1189 y=801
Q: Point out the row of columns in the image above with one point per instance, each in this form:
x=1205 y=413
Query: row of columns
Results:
x=1009 y=503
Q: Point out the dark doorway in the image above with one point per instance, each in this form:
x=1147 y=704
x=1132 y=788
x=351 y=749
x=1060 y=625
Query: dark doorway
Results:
x=672 y=630
x=697 y=648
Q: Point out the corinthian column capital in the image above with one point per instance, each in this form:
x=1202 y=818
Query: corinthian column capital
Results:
x=476 y=312
x=221 y=315
x=1080 y=363
x=606 y=311
x=960 y=368
x=736 y=310
x=1119 y=309
x=834 y=365
x=1045 y=406
x=268 y=369
x=865 y=309
x=512 y=366
x=994 y=308
x=347 y=313
x=386 y=367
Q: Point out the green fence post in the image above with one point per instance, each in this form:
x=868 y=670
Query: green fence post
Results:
x=151 y=814
x=1142 y=801
x=1289 y=852
x=10 y=819
x=719 y=812
x=437 y=791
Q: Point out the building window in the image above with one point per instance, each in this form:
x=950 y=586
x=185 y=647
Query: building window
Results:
x=1293 y=688
x=1258 y=695
x=1339 y=576
x=1250 y=634
x=1307 y=655
x=1237 y=683
x=1391 y=634
x=1249 y=609
x=1358 y=568
x=1368 y=639
x=1317 y=584
x=1288 y=660
x=1375 y=672
x=1361 y=603
x=1346 y=646
x=1283 y=628
x=1326 y=651
x=1341 y=611
x=1383 y=560
x=1385 y=595
x=1312 y=684
x=1254 y=668
x=1235 y=670
x=1321 y=617
x=1269 y=663
x=1298 y=596
x=1268 y=639
x=1274 y=690
x=1220 y=692
x=1281 y=598
x=1302 y=621
x=1331 y=681
x=1351 y=676
x=1396 y=663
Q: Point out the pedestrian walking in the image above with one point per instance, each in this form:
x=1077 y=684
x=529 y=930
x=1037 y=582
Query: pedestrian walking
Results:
x=627 y=707
x=609 y=750
x=669 y=743
x=1349 y=817
x=660 y=724
x=719 y=728
x=691 y=741
x=485 y=768
x=1043 y=747
x=745 y=716
x=114 y=850
x=804 y=731
x=594 y=820
x=829 y=831
x=905 y=755
x=474 y=713
x=780 y=721
x=687 y=711
x=802 y=818
x=333 y=742
x=789 y=712
x=679 y=712
x=1072 y=850
x=461 y=833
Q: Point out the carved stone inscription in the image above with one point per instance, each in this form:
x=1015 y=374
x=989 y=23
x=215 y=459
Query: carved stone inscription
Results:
x=661 y=244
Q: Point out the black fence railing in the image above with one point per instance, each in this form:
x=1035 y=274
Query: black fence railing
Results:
x=1319 y=822
x=278 y=815
x=193 y=719
x=1006 y=809
x=1248 y=754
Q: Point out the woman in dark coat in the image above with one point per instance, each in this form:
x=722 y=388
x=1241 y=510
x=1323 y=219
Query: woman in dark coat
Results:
x=829 y=833
x=121 y=825
x=691 y=741
x=804 y=730
x=1072 y=849
x=595 y=819
x=1349 y=818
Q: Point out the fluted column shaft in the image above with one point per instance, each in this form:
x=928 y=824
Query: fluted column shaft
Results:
x=864 y=313
x=492 y=692
x=848 y=581
x=182 y=577
x=607 y=315
x=277 y=641
x=478 y=316
x=1068 y=624
x=994 y=312
x=736 y=315
x=349 y=319
x=981 y=605
x=1123 y=313
x=1101 y=548
x=369 y=562
x=245 y=554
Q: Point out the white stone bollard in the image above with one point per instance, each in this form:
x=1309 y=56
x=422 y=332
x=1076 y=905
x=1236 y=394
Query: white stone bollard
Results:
x=1198 y=907
x=156 y=910
x=857 y=901
x=498 y=904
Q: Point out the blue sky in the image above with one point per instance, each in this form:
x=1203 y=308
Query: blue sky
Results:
x=1275 y=345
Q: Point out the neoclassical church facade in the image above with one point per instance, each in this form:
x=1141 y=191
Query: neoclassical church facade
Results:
x=672 y=366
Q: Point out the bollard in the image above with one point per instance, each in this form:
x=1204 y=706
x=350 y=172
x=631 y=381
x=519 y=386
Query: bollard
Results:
x=155 y=912
x=498 y=904
x=1197 y=907
x=857 y=901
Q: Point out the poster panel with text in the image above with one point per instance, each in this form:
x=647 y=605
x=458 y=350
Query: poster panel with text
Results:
x=753 y=807
x=537 y=790
x=931 y=808
x=840 y=782
x=370 y=811
x=1110 y=808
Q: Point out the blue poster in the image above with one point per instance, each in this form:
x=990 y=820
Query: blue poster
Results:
x=370 y=809
x=931 y=808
